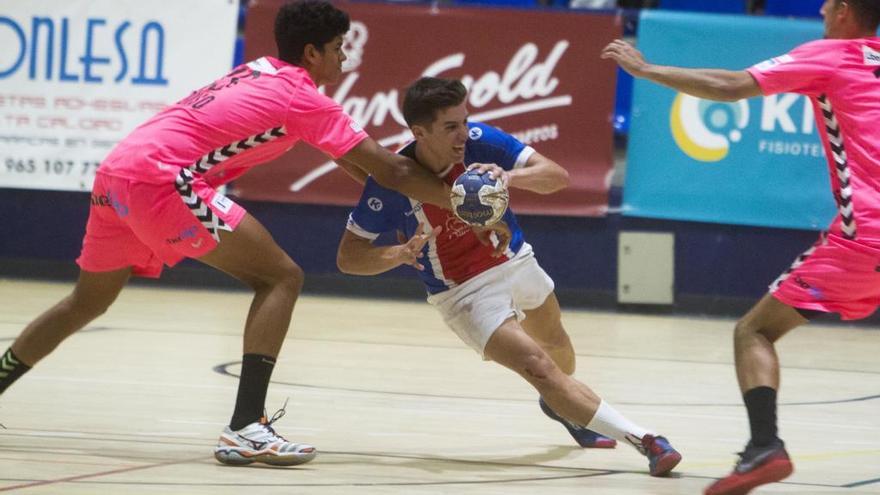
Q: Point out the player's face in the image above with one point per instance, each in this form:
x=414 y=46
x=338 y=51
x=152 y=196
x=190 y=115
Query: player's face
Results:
x=448 y=134
x=330 y=65
x=829 y=13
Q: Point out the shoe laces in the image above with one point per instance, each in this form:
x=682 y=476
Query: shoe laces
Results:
x=267 y=426
x=637 y=443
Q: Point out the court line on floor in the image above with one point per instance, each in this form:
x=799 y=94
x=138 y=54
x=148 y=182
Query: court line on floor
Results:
x=223 y=369
x=84 y=330
x=459 y=347
x=861 y=483
x=80 y=477
x=340 y=484
x=593 y=473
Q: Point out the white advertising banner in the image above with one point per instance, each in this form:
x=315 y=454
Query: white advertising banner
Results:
x=77 y=75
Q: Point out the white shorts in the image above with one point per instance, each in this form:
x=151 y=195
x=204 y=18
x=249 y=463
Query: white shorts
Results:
x=476 y=308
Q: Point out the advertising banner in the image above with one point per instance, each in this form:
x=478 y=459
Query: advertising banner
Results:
x=77 y=75
x=536 y=75
x=752 y=162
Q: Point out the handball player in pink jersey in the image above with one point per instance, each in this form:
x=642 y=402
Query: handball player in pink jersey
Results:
x=841 y=272
x=155 y=201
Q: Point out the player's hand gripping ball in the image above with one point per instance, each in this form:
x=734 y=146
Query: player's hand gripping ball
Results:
x=478 y=199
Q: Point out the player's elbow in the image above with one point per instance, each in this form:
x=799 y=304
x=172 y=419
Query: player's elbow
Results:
x=734 y=89
x=563 y=180
x=727 y=93
x=556 y=179
x=343 y=263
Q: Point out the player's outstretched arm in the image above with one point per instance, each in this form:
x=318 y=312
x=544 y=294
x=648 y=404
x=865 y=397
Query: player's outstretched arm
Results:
x=398 y=172
x=358 y=255
x=712 y=84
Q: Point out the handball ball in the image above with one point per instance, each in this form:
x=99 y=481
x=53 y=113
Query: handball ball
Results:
x=478 y=199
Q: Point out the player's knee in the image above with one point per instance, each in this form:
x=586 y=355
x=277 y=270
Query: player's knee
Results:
x=285 y=274
x=291 y=276
x=566 y=363
x=87 y=306
x=537 y=366
x=744 y=330
x=559 y=342
x=559 y=347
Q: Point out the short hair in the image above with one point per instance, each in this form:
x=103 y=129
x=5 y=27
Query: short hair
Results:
x=427 y=96
x=867 y=12
x=305 y=22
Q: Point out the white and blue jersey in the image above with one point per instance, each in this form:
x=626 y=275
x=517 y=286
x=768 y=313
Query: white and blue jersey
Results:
x=456 y=254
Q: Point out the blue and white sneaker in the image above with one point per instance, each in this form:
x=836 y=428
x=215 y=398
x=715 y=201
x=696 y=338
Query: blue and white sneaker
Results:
x=584 y=437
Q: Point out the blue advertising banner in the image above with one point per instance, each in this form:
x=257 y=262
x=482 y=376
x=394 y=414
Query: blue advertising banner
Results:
x=752 y=162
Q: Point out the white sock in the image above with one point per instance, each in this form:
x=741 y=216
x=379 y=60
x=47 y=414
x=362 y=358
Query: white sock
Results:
x=611 y=423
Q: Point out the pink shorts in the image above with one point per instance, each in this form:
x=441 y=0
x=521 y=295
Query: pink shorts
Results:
x=145 y=225
x=836 y=275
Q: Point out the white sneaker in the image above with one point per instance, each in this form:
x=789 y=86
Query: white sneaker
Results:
x=258 y=442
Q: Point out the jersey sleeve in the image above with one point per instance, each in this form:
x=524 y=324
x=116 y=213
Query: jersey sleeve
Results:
x=804 y=70
x=322 y=123
x=499 y=147
x=375 y=212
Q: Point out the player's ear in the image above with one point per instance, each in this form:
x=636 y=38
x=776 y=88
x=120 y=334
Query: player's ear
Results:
x=311 y=55
x=418 y=131
x=844 y=9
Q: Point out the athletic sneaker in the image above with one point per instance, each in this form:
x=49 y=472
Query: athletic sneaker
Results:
x=258 y=442
x=662 y=458
x=584 y=437
x=756 y=466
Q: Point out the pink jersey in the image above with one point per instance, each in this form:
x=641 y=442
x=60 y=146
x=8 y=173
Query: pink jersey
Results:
x=248 y=117
x=842 y=79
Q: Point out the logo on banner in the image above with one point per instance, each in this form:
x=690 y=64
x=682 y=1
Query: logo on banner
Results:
x=526 y=84
x=703 y=129
x=353 y=45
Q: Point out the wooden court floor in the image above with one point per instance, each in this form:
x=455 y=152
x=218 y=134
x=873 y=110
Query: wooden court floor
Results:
x=397 y=405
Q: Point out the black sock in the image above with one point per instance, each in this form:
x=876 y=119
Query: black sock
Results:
x=256 y=370
x=761 y=404
x=11 y=369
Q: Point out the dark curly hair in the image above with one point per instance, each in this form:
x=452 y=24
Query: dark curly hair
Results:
x=868 y=12
x=427 y=96
x=305 y=22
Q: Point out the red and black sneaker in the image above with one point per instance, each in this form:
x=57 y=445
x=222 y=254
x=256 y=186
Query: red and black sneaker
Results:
x=756 y=466
x=662 y=458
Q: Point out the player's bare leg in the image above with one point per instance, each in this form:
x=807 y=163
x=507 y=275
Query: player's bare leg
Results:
x=764 y=459
x=757 y=364
x=252 y=256
x=93 y=294
x=544 y=326
x=513 y=348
